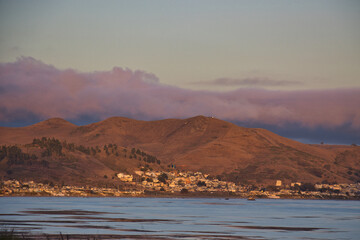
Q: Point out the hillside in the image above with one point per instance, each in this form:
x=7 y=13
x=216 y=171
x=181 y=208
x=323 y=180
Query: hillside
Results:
x=210 y=145
x=49 y=160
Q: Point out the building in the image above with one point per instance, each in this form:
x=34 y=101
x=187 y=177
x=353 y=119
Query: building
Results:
x=278 y=183
x=125 y=177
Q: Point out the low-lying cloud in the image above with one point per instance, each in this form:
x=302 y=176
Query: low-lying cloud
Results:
x=249 y=82
x=30 y=89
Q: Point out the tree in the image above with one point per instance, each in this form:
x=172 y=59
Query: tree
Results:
x=45 y=163
x=273 y=188
x=98 y=149
x=201 y=184
x=181 y=183
x=93 y=151
x=184 y=190
x=14 y=155
x=307 y=187
x=163 y=177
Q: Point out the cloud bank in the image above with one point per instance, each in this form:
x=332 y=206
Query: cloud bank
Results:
x=250 y=82
x=31 y=91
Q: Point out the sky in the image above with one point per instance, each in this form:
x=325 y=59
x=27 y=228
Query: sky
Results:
x=291 y=67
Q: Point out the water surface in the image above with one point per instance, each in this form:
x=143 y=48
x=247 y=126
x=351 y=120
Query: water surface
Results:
x=170 y=218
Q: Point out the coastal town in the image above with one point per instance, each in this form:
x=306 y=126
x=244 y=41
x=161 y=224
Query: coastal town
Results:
x=186 y=184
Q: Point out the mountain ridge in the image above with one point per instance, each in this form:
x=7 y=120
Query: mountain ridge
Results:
x=207 y=144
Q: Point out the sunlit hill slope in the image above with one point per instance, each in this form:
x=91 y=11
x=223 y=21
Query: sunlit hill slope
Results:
x=210 y=145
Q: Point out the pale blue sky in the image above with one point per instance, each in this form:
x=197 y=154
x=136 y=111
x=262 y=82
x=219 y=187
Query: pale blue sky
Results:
x=313 y=43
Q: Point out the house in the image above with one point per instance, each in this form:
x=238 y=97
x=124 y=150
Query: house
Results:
x=125 y=177
x=278 y=183
x=140 y=173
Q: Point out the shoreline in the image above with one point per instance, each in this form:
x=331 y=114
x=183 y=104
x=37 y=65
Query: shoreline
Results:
x=13 y=235
x=14 y=188
x=195 y=196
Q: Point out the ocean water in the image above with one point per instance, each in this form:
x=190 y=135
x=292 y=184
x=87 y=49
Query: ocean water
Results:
x=195 y=218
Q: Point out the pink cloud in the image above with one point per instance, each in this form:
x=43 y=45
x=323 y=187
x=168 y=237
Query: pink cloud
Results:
x=29 y=86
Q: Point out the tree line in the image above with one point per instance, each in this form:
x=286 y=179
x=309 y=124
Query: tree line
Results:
x=54 y=147
x=138 y=154
x=15 y=155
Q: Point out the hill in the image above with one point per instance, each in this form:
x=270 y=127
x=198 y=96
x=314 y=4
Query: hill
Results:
x=50 y=160
x=210 y=145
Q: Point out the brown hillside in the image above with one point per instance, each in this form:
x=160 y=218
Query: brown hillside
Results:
x=209 y=145
x=60 y=162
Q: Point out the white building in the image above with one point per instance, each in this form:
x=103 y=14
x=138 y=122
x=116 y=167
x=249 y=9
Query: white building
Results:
x=125 y=177
x=278 y=183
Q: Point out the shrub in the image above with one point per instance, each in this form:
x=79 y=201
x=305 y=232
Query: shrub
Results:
x=184 y=190
x=163 y=177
